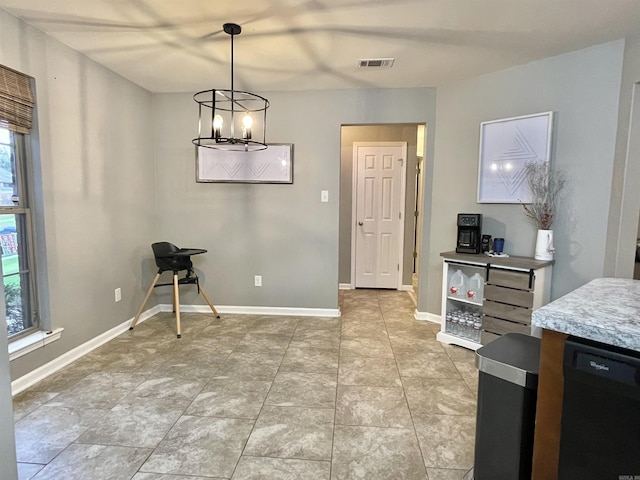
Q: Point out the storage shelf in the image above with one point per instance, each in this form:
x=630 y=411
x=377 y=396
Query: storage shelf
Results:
x=451 y=339
x=515 y=286
x=464 y=300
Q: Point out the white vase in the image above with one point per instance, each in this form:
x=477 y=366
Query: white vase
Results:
x=544 y=245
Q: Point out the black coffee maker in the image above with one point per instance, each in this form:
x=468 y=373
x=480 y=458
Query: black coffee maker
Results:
x=469 y=233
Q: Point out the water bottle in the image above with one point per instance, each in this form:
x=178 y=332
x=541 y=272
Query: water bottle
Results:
x=455 y=329
x=458 y=284
x=475 y=288
x=477 y=327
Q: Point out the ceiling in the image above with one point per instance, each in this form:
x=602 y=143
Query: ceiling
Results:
x=179 y=45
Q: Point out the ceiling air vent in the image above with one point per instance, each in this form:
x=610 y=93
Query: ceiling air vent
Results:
x=375 y=63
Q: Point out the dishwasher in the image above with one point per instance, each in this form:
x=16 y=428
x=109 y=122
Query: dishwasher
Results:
x=600 y=432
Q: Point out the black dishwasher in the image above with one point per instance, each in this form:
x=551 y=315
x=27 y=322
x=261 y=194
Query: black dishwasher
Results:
x=600 y=435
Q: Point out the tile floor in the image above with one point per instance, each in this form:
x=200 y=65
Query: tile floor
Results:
x=371 y=395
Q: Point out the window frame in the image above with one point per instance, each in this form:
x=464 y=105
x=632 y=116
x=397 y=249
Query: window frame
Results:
x=22 y=160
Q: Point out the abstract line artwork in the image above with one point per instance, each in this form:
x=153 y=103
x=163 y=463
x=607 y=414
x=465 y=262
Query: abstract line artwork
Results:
x=273 y=165
x=506 y=146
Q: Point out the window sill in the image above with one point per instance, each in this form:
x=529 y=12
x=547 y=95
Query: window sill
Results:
x=32 y=342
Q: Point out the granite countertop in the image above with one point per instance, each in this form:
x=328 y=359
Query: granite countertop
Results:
x=606 y=310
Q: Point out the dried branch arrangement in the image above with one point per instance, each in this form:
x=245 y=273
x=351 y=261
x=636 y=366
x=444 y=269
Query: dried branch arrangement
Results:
x=545 y=186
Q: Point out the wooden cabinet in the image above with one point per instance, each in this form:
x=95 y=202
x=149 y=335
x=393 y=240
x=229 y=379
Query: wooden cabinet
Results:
x=513 y=287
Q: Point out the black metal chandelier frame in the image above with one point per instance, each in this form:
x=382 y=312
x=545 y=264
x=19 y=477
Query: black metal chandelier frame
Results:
x=216 y=104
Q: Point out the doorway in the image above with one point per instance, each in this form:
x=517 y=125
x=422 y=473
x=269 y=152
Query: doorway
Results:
x=378 y=194
x=376 y=133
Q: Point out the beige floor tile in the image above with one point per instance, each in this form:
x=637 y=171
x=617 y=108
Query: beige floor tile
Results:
x=312 y=360
x=200 y=446
x=79 y=462
x=230 y=398
x=375 y=372
x=258 y=468
x=378 y=347
x=134 y=423
x=45 y=433
x=372 y=407
x=375 y=453
x=292 y=432
x=445 y=396
x=297 y=389
x=447 y=441
x=426 y=365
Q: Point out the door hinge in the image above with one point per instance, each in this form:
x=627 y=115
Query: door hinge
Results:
x=416 y=213
x=415 y=254
x=398 y=267
x=399 y=215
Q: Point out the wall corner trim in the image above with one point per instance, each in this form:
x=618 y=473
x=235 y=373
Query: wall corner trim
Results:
x=426 y=316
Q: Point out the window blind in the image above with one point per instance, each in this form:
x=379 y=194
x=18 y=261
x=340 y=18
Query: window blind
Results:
x=16 y=100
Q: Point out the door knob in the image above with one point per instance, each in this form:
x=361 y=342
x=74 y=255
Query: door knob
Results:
x=360 y=223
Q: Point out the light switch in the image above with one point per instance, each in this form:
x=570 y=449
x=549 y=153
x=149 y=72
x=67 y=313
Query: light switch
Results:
x=324 y=196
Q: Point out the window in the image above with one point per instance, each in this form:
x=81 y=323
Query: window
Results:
x=15 y=236
x=16 y=239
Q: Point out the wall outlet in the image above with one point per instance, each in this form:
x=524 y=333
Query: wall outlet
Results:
x=118 y=294
x=257 y=280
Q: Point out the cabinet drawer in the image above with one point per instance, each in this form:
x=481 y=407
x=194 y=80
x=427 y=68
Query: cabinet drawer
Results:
x=508 y=278
x=507 y=312
x=501 y=327
x=522 y=298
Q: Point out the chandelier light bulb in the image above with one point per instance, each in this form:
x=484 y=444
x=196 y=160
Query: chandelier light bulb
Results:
x=247 y=122
x=217 y=126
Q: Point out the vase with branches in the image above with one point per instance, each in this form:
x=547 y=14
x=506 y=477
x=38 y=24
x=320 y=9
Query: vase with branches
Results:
x=545 y=186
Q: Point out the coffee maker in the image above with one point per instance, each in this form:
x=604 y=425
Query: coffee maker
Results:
x=469 y=233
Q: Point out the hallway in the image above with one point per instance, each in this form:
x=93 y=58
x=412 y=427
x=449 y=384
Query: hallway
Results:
x=371 y=395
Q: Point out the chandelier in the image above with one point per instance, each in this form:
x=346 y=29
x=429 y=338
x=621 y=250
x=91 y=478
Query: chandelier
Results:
x=231 y=119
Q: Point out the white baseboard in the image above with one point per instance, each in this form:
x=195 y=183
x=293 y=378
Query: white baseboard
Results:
x=40 y=373
x=351 y=286
x=429 y=317
x=248 y=310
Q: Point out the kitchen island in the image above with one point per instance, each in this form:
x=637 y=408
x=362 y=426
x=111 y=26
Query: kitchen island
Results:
x=605 y=310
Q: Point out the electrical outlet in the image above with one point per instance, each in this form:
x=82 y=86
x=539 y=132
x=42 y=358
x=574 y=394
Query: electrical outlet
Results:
x=118 y=294
x=257 y=280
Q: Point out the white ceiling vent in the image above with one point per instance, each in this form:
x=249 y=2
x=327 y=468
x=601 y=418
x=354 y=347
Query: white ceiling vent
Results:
x=376 y=63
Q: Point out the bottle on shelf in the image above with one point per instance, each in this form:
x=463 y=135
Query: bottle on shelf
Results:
x=477 y=327
x=458 y=284
x=475 y=288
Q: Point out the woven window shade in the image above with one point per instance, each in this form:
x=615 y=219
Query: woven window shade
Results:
x=16 y=100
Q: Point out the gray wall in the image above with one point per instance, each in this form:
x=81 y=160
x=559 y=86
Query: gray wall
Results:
x=98 y=186
x=282 y=232
x=583 y=89
x=376 y=133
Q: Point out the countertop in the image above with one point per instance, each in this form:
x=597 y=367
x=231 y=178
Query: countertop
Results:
x=520 y=263
x=606 y=310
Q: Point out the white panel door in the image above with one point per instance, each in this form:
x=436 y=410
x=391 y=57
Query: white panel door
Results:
x=378 y=222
